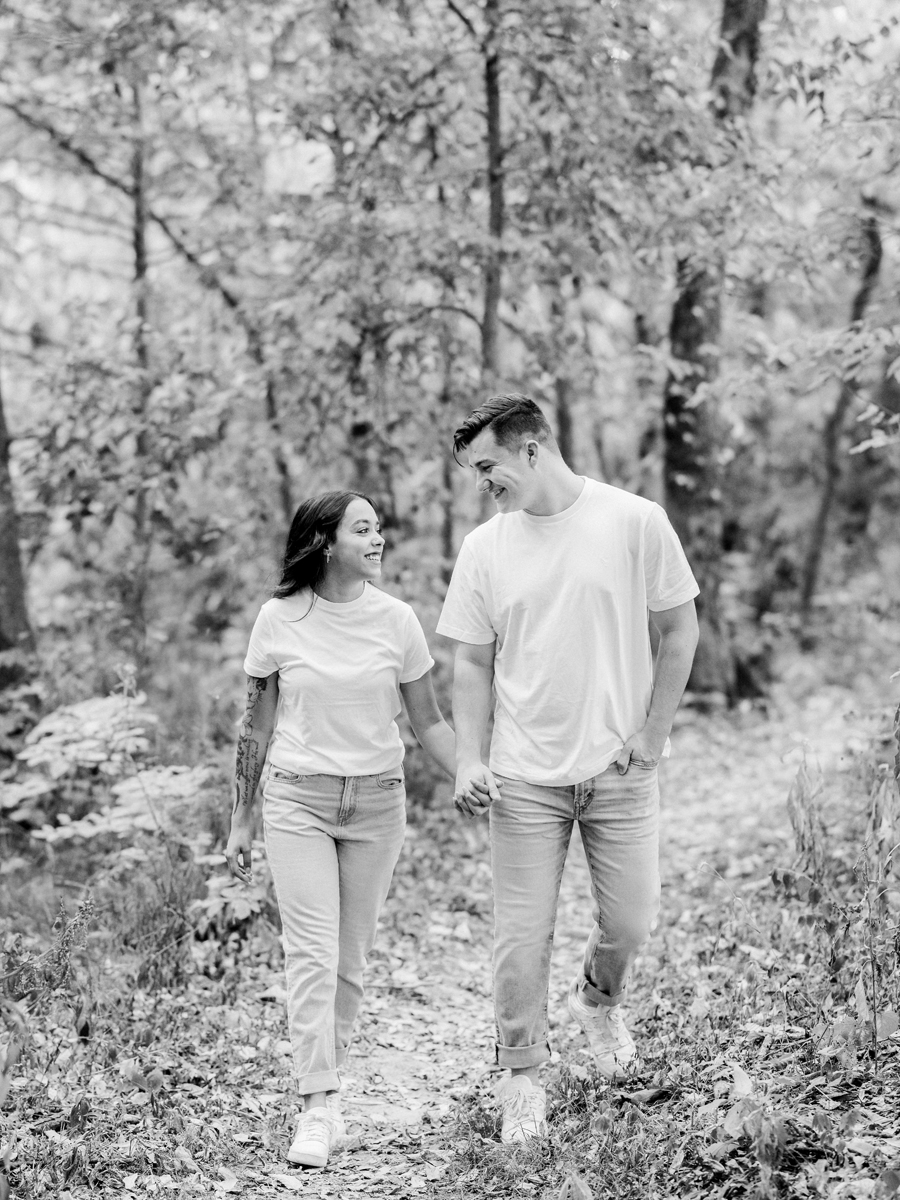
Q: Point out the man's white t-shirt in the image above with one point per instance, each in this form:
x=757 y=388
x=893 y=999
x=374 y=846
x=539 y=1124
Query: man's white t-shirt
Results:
x=566 y=597
x=339 y=670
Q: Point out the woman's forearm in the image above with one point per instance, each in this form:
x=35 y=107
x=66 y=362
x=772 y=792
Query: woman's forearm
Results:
x=439 y=741
x=249 y=760
x=255 y=734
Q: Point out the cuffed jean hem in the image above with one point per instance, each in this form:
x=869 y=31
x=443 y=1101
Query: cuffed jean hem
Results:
x=523 y=1056
x=319 y=1081
x=593 y=995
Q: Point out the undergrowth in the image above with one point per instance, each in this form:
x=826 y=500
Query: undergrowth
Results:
x=144 y=1046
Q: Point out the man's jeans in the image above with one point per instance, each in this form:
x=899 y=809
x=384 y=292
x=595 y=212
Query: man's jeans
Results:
x=332 y=844
x=531 y=826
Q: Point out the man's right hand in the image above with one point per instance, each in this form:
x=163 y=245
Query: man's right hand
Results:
x=476 y=789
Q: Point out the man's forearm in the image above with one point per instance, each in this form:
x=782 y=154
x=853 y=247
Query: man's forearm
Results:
x=673 y=668
x=472 y=699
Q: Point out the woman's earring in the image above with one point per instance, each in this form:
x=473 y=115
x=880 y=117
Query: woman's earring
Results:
x=327 y=554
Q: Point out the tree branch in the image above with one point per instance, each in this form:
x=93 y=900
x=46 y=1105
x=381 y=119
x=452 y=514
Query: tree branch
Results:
x=465 y=20
x=455 y=308
x=208 y=278
x=64 y=142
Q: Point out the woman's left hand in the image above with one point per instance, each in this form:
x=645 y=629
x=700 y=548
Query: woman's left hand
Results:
x=238 y=852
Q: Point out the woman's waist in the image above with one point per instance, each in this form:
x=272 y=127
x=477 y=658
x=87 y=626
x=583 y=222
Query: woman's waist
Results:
x=314 y=789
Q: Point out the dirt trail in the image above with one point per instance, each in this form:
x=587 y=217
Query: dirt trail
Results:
x=427 y=1033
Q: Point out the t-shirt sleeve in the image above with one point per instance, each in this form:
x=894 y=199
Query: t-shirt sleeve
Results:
x=259 y=661
x=465 y=614
x=667 y=573
x=416 y=655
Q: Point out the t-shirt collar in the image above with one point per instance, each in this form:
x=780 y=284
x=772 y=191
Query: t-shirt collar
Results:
x=329 y=606
x=553 y=518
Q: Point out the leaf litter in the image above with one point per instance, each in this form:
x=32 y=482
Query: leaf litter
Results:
x=766 y=1068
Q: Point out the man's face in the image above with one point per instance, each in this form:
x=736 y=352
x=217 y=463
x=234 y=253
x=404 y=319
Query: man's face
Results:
x=503 y=473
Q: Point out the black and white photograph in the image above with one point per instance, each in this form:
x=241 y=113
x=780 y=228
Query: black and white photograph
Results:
x=450 y=599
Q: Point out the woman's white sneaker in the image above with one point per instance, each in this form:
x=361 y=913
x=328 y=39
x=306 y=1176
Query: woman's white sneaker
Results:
x=611 y=1044
x=523 y=1106
x=333 y=1105
x=312 y=1143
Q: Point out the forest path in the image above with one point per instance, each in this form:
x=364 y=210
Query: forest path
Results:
x=417 y=1091
x=426 y=1036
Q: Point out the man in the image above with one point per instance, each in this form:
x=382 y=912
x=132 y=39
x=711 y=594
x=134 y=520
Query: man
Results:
x=549 y=604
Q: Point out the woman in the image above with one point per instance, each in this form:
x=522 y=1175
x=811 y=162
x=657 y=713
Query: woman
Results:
x=329 y=658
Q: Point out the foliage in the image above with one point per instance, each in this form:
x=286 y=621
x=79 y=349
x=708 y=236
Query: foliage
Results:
x=308 y=308
x=104 y=734
x=231 y=906
x=768 y=1067
x=67 y=750
x=153 y=800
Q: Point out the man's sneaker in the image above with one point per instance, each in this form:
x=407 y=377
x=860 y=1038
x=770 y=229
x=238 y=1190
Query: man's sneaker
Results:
x=315 y=1134
x=523 y=1105
x=610 y=1042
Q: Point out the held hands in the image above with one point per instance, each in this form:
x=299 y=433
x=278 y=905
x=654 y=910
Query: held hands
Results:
x=476 y=789
x=644 y=748
x=238 y=853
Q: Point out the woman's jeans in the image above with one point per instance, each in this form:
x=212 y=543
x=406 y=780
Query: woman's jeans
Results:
x=531 y=825
x=332 y=844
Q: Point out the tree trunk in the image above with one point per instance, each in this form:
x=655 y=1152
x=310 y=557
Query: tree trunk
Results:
x=868 y=473
x=16 y=640
x=564 y=425
x=135 y=588
x=490 y=326
x=734 y=69
x=692 y=472
x=834 y=425
x=448 y=549
x=691 y=426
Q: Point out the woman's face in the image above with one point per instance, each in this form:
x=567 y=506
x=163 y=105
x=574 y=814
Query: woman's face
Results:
x=356 y=549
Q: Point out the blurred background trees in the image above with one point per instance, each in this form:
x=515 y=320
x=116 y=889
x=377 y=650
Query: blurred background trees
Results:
x=253 y=251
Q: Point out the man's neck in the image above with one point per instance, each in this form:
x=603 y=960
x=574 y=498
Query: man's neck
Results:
x=561 y=488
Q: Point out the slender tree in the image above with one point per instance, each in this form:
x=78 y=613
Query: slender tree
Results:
x=15 y=631
x=136 y=586
x=691 y=428
x=493 y=269
x=833 y=430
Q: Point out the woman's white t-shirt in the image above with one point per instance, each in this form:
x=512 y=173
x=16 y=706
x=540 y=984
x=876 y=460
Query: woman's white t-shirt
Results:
x=566 y=599
x=339 y=667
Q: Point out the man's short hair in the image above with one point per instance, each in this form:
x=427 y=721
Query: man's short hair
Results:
x=511 y=419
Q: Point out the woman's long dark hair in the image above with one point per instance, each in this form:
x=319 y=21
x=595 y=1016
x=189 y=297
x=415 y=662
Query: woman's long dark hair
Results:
x=313 y=529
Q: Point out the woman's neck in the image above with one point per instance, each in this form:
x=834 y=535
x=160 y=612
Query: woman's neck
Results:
x=339 y=591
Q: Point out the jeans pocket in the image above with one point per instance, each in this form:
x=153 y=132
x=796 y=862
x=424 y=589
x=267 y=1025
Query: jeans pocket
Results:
x=279 y=775
x=389 y=780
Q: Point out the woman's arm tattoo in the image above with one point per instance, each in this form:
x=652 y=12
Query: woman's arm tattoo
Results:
x=248 y=765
